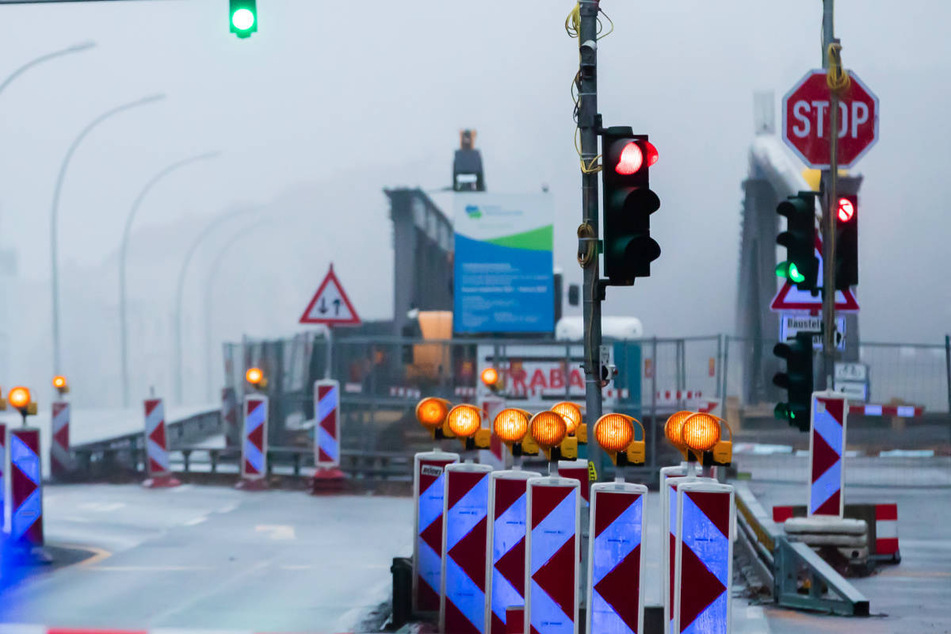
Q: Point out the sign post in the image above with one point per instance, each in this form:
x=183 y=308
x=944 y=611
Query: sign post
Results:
x=331 y=307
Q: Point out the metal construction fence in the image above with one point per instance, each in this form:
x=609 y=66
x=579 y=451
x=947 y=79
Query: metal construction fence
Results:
x=382 y=378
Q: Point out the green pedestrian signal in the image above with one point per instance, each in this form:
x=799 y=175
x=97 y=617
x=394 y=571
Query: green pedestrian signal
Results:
x=801 y=266
x=243 y=17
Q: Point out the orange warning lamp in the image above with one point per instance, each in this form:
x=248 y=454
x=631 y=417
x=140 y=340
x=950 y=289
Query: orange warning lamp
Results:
x=491 y=379
x=19 y=397
x=465 y=421
x=673 y=430
x=59 y=382
x=550 y=431
x=572 y=415
x=431 y=412
x=255 y=376
x=701 y=434
x=615 y=434
x=511 y=425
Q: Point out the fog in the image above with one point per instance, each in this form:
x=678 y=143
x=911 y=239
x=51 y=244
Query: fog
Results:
x=330 y=102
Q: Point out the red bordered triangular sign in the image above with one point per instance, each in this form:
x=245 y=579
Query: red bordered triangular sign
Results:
x=330 y=305
x=791 y=298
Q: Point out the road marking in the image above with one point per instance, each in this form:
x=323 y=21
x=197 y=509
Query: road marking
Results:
x=150 y=568
x=276 y=531
x=196 y=521
x=100 y=554
x=102 y=507
x=227 y=509
x=183 y=487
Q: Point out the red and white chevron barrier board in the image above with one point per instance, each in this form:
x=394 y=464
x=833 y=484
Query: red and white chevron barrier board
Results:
x=903 y=411
x=327 y=417
x=616 y=559
x=508 y=508
x=26 y=488
x=229 y=416
x=668 y=512
x=254 y=441
x=552 y=546
x=826 y=443
x=577 y=470
x=429 y=490
x=465 y=546
x=496 y=455
x=156 y=442
x=3 y=484
x=886 y=531
x=60 y=461
x=703 y=558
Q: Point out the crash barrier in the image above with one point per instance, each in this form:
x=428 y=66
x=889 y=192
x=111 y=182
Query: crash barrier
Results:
x=26 y=489
x=881 y=532
x=791 y=572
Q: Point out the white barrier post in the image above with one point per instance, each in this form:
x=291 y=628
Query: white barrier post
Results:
x=464 y=548
x=156 y=441
x=553 y=552
x=429 y=492
x=703 y=557
x=615 y=588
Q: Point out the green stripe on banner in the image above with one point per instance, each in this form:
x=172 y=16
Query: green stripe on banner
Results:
x=541 y=239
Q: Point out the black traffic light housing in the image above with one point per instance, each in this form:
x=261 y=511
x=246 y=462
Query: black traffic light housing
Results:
x=237 y=5
x=797 y=380
x=847 y=242
x=801 y=266
x=628 y=203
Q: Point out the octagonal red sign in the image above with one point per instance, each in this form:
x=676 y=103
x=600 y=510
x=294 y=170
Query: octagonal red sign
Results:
x=806 y=120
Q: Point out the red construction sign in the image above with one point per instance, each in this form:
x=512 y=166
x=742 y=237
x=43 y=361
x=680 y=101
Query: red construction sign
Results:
x=789 y=298
x=806 y=120
x=330 y=305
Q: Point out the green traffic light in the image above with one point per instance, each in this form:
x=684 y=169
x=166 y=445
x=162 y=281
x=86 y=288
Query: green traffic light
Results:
x=243 y=19
x=790 y=270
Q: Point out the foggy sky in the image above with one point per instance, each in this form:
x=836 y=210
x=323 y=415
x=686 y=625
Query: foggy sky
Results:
x=330 y=102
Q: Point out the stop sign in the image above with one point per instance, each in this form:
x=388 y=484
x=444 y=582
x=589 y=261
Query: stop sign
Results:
x=806 y=120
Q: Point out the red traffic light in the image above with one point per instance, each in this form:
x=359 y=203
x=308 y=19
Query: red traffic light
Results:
x=632 y=157
x=846 y=209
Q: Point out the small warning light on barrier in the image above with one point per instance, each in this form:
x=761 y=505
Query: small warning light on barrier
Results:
x=571 y=413
x=549 y=430
x=615 y=434
x=673 y=430
x=59 y=382
x=701 y=435
x=255 y=376
x=511 y=426
x=465 y=421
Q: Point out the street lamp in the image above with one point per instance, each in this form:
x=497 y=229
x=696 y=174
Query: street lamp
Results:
x=75 y=48
x=54 y=214
x=180 y=292
x=209 y=286
x=123 y=250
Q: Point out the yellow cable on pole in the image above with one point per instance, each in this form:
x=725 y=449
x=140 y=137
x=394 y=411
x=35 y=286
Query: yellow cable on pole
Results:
x=837 y=78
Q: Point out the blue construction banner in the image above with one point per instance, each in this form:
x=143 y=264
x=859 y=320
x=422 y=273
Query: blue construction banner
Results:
x=503 y=270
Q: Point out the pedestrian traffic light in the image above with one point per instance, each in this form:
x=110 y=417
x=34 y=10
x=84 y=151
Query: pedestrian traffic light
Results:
x=243 y=17
x=847 y=243
x=797 y=380
x=801 y=266
x=628 y=203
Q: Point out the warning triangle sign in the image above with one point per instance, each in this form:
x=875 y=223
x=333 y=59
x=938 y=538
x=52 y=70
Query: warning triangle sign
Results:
x=790 y=298
x=330 y=305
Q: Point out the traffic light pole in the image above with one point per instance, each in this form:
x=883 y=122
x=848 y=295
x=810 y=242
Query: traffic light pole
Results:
x=828 y=211
x=588 y=232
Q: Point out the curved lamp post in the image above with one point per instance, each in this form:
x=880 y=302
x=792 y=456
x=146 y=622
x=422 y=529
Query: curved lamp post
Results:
x=54 y=214
x=75 y=48
x=123 y=251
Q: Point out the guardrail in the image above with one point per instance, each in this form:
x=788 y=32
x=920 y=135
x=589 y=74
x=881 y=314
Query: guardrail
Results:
x=791 y=572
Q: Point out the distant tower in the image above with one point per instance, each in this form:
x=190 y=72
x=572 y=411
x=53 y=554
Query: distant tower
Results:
x=467 y=174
